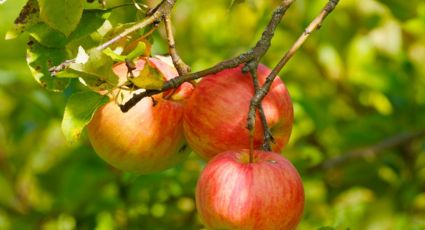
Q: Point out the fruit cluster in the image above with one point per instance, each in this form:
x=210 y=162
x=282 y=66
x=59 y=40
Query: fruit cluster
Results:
x=238 y=189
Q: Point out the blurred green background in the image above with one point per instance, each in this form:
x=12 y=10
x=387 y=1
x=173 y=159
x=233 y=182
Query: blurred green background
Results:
x=358 y=87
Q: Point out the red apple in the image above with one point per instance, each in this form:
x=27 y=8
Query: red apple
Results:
x=148 y=138
x=215 y=115
x=234 y=194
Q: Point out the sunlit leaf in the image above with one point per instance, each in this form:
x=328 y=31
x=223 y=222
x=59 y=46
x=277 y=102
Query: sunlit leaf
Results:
x=148 y=78
x=116 y=57
x=135 y=53
x=78 y=113
x=98 y=68
x=82 y=56
x=62 y=15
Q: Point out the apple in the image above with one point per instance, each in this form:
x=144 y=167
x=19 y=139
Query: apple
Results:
x=215 y=116
x=233 y=193
x=148 y=138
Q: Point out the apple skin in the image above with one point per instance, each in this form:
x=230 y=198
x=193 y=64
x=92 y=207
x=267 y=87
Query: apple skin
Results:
x=215 y=115
x=232 y=193
x=145 y=139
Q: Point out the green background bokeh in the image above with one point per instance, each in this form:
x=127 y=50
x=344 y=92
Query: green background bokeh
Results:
x=358 y=84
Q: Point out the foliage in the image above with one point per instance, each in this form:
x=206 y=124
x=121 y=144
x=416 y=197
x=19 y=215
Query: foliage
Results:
x=357 y=81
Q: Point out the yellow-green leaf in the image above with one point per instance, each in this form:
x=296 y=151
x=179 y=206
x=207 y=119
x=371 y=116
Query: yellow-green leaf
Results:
x=149 y=78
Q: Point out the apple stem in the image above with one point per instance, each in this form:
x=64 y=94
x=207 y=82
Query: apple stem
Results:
x=251 y=146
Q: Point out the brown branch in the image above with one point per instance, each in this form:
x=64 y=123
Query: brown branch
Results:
x=314 y=25
x=257 y=52
x=251 y=66
x=264 y=42
x=181 y=67
x=368 y=152
x=268 y=137
x=163 y=9
x=262 y=92
x=175 y=82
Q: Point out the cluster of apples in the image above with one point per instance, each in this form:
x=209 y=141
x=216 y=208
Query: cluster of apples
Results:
x=234 y=191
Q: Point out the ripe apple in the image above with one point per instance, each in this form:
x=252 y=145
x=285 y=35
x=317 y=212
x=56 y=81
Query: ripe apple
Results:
x=148 y=138
x=215 y=116
x=233 y=193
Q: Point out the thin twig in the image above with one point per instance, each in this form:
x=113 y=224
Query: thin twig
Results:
x=314 y=25
x=181 y=67
x=370 y=151
x=65 y=64
x=164 y=8
x=262 y=92
x=175 y=82
x=264 y=42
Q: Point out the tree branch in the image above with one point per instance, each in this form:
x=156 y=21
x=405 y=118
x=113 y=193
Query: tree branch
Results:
x=251 y=66
x=260 y=93
x=314 y=25
x=163 y=9
x=175 y=82
x=258 y=51
x=268 y=137
x=181 y=67
x=368 y=152
x=253 y=55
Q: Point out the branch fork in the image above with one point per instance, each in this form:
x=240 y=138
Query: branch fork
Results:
x=250 y=59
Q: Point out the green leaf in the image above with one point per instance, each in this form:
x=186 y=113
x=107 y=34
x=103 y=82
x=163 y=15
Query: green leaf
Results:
x=116 y=57
x=135 y=53
x=28 y=16
x=62 y=15
x=40 y=59
x=47 y=36
x=89 y=23
x=79 y=111
x=98 y=66
x=149 y=78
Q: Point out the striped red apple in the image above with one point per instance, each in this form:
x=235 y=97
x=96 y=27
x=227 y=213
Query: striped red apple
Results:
x=233 y=193
x=147 y=138
x=215 y=116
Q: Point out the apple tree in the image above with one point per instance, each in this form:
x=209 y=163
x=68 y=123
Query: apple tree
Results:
x=160 y=89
